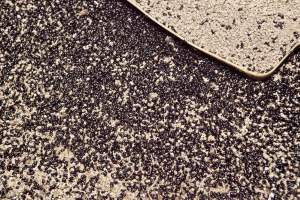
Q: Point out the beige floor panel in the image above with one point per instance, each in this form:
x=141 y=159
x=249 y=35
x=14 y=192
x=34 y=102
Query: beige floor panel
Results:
x=253 y=36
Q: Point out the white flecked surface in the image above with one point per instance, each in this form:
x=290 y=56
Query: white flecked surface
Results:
x=96 y=102
x=252 y=35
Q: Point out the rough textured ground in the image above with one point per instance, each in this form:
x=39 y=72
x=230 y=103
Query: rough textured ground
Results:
x=96 y=102
x=255 y=35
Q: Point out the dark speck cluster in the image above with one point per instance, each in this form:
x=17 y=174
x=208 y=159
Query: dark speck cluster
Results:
x=97 y=102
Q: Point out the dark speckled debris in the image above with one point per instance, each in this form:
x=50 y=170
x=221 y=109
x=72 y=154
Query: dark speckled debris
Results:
x=109 y=106
x=220 y=26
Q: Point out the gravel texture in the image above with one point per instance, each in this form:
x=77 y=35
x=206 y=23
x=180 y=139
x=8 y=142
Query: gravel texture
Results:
x=97 y=102
x=253 y=35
